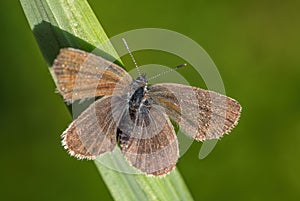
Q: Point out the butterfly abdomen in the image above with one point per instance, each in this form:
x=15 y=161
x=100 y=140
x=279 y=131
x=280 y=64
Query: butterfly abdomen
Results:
x=122 y=137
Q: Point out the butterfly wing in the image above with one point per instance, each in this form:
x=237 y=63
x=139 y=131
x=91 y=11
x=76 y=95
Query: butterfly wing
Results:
x=151 y=144
x=82 y=75
x=93 y=132
x=200 y=113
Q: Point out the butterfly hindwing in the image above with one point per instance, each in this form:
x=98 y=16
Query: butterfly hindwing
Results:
x=93 y=132
x=151 y=147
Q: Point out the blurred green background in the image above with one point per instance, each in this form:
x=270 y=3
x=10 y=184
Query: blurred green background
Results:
x=255 y=45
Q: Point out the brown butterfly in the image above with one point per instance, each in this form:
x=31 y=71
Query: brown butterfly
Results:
x=134 y=114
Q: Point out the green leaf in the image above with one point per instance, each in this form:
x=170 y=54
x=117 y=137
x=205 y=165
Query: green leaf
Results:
x=72 y=23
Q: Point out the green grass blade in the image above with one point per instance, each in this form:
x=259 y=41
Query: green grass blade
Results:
x=72 y=23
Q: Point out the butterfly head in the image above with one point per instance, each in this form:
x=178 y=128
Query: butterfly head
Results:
x=140 y=81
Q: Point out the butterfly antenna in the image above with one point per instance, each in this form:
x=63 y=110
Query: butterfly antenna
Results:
x=127 y=47
x=167 y=71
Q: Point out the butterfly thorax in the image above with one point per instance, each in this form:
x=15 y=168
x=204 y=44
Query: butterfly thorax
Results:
x=138 y=102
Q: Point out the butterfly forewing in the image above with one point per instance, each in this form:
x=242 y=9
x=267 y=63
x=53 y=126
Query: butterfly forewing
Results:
x=93 y=132
x=83 y=75
x=200 y=113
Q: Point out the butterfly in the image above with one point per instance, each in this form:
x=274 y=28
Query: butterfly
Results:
x=135 y=115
